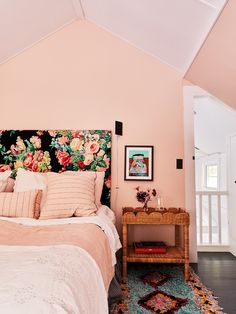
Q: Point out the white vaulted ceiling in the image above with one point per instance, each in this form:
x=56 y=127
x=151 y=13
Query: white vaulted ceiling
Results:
x=171 y=30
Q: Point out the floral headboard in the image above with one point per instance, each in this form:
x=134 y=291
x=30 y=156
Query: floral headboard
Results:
x=58 y=150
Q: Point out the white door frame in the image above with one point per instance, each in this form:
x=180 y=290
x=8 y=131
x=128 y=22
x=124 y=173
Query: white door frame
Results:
x=232 y=240
x=189 y=93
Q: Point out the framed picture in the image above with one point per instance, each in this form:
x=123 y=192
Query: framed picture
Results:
x=139 y=163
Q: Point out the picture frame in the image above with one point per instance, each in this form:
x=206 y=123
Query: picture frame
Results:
x=138 y=163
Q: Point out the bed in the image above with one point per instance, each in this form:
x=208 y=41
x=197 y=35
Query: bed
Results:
x=58 y=243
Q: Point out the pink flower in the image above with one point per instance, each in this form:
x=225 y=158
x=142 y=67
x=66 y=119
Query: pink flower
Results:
x=88 y=159
x=40 y=132
x=100 y=169
x=4 y=168
x=76 y=134
x=14 y=150
x=108 y=182
x=28 y=160
x=63 y=140
x=52 y=132
x=29 y=155
x=64 y=158
x=30 y=163
x=36 y=141
x=92 y=147
x=107 y=161
x=81 y=164
x=38 y=155
x=34 y=166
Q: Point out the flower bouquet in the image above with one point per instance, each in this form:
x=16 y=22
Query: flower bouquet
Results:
x=144 y=196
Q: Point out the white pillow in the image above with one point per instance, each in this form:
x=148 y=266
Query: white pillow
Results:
x=3 y=179
x=99 y=181
x=28 y=180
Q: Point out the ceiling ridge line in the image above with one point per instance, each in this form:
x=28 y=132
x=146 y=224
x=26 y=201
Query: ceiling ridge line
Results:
x=208 y=4
x=79 y=9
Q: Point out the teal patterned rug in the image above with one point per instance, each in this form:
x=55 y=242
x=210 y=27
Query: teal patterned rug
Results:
x=161 y=288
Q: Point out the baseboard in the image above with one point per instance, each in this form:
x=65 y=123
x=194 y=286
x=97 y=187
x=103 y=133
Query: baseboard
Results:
x=233 y=247
x=213 y=248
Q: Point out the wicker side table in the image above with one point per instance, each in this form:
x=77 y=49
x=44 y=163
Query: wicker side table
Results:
x=171 y=216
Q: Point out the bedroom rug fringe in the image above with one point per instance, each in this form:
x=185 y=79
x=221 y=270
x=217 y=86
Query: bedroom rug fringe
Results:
x=205 y=301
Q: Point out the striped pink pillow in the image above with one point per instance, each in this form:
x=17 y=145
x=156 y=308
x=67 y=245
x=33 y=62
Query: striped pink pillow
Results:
x=69 y=195
x=20 y=204
x=99 y=181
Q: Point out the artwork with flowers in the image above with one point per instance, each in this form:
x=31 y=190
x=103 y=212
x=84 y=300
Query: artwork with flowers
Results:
x=58 y=151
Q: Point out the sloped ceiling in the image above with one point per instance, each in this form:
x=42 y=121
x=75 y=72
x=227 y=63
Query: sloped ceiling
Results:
x=24 y=22
x=214 y=68
x=171 y=30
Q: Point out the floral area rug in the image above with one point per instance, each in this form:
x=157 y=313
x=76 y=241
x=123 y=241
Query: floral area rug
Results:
x=161 y=288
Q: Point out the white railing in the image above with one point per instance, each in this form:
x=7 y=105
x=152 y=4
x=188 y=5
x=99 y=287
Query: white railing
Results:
x=212 y=217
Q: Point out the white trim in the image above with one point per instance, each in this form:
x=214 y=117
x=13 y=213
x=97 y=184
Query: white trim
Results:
x=189 y=93
x=210 y=219
x=233 y=247
x=208 y=4
x=39 y=40
x=213 y=248
x=212 y=192
x=219 y=218
x=231 y=205
x=202 y=42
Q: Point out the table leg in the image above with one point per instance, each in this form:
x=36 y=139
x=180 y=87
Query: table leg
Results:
x=177 y=235
x=124 y=236
x=186 y=252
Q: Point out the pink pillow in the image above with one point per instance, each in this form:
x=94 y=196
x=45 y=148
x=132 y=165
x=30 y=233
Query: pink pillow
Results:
x=99 y=181
x=68 y=196
x=21 y=204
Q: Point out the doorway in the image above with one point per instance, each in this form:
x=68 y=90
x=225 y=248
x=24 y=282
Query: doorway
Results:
x=215 y=160
x=213 y=123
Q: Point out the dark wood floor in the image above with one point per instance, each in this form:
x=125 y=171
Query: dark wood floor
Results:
x=218 y=272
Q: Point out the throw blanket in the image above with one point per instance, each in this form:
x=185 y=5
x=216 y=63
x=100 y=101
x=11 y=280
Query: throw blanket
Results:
x=45 y=239
x=50 y=280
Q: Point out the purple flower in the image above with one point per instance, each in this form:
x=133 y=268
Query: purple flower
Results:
x=142 y=196
x=145 y=196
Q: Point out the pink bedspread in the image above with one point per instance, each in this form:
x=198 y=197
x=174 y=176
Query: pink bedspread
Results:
x=87 y=236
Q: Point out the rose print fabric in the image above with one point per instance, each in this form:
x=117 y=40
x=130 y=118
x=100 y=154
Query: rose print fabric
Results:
x=57 y=151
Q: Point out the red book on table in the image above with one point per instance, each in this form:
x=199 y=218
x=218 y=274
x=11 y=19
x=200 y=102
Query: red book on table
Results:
x=150 y=247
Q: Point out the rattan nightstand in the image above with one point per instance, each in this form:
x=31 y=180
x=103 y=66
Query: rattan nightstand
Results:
x=172 y=216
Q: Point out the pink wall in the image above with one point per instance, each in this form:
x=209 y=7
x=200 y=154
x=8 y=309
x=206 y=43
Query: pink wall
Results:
x=83 y=77
x=214 y=68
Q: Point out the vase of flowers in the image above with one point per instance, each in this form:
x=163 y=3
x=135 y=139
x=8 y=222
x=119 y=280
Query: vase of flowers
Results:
x=144 y=196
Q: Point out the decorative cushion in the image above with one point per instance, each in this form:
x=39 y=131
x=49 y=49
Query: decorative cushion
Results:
x=27 y=180
x=69 y=195
x=99 y=181
x=3 y=179
x=20 y=204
